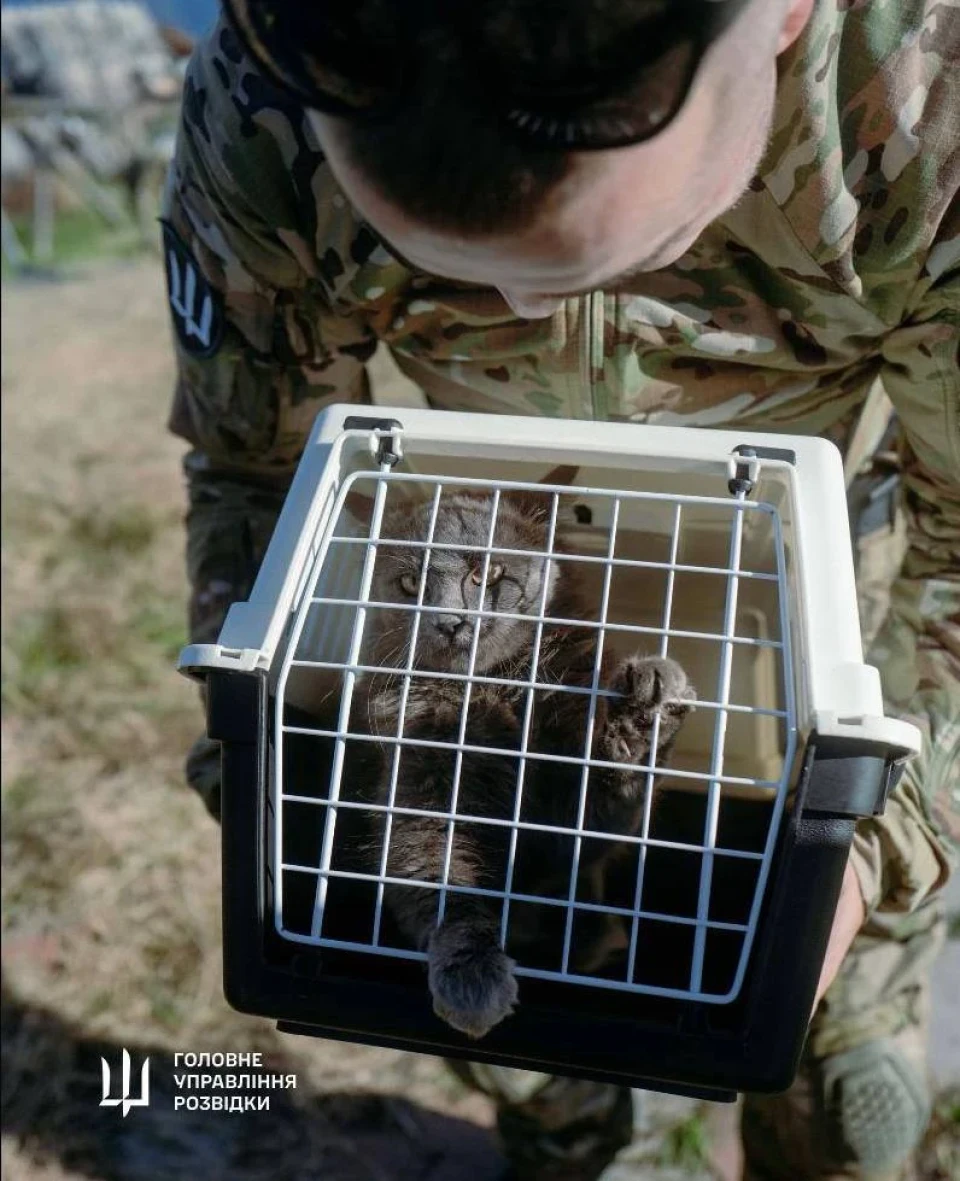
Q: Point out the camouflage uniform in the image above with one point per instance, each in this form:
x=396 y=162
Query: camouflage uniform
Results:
x=838 y=267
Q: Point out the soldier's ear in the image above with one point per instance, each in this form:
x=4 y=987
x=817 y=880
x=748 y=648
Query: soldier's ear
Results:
x=796 y=20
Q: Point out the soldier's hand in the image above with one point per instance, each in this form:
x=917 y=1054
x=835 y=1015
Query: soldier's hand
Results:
x=846 y=923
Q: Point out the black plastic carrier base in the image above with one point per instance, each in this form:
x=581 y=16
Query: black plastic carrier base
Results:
x=682 y=1046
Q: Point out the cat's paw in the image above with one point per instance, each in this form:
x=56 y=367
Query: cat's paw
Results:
x=471 y=979
x=649 y=682
x=647 y=688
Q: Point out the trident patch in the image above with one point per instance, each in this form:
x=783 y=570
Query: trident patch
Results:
x=197 y=309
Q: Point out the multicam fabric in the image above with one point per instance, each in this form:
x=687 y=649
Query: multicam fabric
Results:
x=840 y=266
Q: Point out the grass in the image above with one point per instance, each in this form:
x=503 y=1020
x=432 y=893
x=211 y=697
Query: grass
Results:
x=111 y=892
x=121 y=532
x=80 y=235
x=685 y=1145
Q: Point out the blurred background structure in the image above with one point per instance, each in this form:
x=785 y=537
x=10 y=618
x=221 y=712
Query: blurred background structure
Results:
x=90 y=93
x=111 y=883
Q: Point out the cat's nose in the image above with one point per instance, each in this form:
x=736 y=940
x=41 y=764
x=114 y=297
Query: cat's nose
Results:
x=449 y=625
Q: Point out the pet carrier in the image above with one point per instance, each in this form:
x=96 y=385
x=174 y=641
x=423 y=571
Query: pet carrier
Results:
x=679 y=950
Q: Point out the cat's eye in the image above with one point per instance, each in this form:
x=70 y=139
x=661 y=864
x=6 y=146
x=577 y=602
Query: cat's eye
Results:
x=494 y=574
x=410 y=584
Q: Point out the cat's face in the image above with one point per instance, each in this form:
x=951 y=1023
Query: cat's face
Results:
x=514 y=584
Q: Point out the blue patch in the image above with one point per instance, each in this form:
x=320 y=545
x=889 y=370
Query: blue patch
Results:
x=195 y=307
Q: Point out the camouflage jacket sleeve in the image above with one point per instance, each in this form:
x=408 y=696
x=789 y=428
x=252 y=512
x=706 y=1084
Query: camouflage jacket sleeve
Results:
x=904 y=856
x=271 y=345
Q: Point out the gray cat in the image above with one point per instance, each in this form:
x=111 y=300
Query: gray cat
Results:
x=471 y=976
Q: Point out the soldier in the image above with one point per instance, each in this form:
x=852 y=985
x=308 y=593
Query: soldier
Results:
x=723 y=212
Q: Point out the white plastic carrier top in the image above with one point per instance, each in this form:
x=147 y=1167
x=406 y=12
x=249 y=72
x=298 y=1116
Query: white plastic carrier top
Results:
x=798 y=481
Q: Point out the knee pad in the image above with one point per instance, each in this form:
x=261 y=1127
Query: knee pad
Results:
x=878 y=1103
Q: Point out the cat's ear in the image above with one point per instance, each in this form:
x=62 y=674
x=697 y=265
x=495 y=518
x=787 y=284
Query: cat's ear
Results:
x=538 y=505
x=360 y=507
x=565 y=474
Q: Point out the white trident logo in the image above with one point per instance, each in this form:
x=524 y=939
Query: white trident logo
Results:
x=124 y=1101
x=183 y=300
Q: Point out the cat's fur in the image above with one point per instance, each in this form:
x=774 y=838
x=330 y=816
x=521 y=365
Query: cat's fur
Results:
x=470 y=976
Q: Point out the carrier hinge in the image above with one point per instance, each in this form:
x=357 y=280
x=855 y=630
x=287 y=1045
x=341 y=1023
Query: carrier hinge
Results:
x=743 y=471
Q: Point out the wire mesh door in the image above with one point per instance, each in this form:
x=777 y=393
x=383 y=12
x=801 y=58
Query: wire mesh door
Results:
x=445 y=767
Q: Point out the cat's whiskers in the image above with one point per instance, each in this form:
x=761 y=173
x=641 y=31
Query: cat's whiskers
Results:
x=377 y=702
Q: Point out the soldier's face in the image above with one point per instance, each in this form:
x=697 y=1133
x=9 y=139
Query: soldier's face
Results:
x=617 y=213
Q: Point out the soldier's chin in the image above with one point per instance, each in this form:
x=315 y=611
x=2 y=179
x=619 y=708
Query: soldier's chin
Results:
x=673 y=250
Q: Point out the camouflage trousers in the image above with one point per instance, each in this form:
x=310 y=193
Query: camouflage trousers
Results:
x=861 y=1098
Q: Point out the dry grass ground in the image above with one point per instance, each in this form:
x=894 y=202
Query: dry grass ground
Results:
x=111 y=891
x=111 y=884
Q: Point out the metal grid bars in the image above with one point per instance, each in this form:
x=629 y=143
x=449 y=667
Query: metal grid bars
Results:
x=679 y=891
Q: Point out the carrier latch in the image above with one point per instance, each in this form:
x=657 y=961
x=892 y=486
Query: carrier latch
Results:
x=196 y=660
x=388 y=448
x=851 y=777
x=743 y=470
